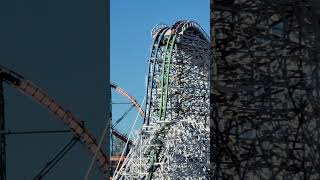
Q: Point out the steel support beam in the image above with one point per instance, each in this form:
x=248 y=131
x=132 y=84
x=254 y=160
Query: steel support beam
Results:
x=265 y=90
x=3 y=175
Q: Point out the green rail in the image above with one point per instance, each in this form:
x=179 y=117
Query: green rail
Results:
x=166 y=64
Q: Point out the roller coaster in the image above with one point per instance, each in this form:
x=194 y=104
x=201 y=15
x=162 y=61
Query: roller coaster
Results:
x=265 y=89
x=173 y=141
x=75 y=125
x=71 y=121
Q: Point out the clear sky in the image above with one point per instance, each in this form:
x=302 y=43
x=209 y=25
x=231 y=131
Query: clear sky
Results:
x=131 y=24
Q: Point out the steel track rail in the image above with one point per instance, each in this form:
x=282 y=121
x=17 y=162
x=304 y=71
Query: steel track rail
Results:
x=70 y=120
x=177 y=30
x=132 y=100
x=164 y=93
x=154 y=55
x=179 y=27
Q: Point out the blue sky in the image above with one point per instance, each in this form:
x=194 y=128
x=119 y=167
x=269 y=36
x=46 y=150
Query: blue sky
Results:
x=130 y=40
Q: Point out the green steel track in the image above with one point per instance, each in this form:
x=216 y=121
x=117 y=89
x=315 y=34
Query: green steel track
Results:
x=166 y=64
x=154 y=55
x=163 y=44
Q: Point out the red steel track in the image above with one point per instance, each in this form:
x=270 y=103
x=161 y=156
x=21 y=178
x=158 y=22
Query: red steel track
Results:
x=124 y=93
x=74 y=124
x=134 y=102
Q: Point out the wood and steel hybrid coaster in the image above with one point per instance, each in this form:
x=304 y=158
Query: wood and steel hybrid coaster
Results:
x=173 y=142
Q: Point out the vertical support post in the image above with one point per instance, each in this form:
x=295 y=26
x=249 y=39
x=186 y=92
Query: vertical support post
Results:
x=3 y=175
x=110 y=139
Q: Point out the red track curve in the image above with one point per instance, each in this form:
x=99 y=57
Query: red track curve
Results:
x=74 y=124
x=124 y=93
x=134 y=102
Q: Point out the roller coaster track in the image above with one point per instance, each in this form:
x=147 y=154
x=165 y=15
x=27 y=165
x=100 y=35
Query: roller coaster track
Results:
x=135 y=104
x=164 y=82
x=154 y=55
x=265 y=120
x=179 y=27
x=156 y=104
x=159 y=32
x=74 y=124
x=165 y=76
x=116 y=158
x=164 y=95
x=132 y=100
x=66 y=116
